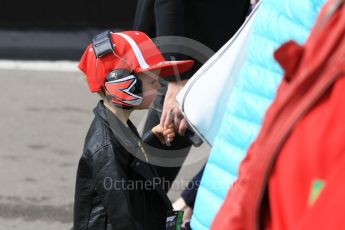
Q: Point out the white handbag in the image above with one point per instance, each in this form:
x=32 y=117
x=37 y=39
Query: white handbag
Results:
x=203 y=99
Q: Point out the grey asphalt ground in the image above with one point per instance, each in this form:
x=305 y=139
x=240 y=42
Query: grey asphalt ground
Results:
x=44 y=119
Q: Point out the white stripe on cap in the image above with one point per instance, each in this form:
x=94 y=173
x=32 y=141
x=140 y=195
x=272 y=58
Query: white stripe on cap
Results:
x=136 y=50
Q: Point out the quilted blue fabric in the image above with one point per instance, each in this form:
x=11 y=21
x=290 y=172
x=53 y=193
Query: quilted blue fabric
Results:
x=275 y=22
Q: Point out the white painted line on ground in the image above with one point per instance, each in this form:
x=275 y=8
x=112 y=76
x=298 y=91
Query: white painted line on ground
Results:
x=60 y=66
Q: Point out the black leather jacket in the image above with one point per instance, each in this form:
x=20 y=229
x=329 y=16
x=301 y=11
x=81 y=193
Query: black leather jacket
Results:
x=110 y=192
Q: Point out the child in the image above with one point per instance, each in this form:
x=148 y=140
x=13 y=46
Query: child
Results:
x=115 y=185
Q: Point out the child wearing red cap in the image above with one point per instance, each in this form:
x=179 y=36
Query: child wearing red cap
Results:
x=116 y=186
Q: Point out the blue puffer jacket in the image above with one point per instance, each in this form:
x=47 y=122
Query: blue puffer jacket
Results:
x=275 y=23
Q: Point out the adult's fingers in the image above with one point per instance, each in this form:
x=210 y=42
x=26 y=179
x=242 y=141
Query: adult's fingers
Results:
x=183 y=127
x=169 y=118
x=163 y=116
x=177 y=121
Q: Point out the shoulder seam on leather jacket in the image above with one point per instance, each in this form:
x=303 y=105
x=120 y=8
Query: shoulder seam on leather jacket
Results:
x=101 y=148
x=105 y=134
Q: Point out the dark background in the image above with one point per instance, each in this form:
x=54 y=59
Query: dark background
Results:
x=66 y=14
x=58 y=29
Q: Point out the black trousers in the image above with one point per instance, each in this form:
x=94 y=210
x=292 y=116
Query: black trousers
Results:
x=145 y=17
x=189 y=194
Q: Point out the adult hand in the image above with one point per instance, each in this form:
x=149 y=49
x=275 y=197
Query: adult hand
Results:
x=171 y=112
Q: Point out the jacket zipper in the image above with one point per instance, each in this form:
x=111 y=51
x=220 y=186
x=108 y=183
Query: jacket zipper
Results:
x=143 y=151
x=308 y=105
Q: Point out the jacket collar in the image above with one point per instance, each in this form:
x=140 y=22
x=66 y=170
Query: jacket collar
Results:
x=100 y=111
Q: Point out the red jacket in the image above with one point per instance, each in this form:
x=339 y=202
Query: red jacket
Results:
x=292 y=176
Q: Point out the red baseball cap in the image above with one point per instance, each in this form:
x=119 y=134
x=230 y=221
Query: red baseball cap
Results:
x=134 y=51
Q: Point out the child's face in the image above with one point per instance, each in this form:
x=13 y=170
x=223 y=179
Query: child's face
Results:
x=150 y=85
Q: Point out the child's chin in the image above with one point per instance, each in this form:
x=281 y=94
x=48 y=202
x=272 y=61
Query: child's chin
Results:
x=146 y=104
x=143 y=106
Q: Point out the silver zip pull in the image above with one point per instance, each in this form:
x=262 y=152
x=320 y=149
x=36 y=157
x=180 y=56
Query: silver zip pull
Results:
x=143 y=151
